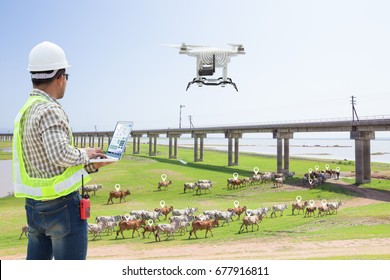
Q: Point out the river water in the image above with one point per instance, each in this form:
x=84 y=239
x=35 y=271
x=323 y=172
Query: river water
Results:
x=321 y=148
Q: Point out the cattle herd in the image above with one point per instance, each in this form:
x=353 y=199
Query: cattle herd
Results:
x=189 y=220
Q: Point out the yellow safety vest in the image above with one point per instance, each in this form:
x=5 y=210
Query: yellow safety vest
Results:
x=41 y=188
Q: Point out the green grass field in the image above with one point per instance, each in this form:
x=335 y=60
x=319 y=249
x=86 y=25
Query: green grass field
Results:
x=140 y=174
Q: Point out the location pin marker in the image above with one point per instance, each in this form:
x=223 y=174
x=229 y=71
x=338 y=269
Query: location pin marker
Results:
x=150 y=222
x=316 y=167
x=248 y=212
x=298 y=198
x=162 y=203
x=324 y=202
x=256 y=170
x=117 y=187
x=127 y=217
x=312 y=202
x=236 y=203
x=163 y=177
x=235 y=175
x=310 y=170
x=327 y=167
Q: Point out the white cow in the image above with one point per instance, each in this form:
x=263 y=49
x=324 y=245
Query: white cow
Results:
x=92 y=188
x=278 y=208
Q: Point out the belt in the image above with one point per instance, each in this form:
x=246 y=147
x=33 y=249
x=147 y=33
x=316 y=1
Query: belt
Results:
x=62 y=197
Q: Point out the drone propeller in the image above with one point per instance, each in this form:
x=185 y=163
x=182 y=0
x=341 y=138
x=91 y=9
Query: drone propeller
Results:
x=235 y=45
x=184 y=46
x=173 y=46
x=197 y=46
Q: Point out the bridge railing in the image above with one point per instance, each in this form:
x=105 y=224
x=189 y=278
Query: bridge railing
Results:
x=338 y=119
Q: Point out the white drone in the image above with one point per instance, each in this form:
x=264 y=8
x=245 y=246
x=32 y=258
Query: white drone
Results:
x=207 y=59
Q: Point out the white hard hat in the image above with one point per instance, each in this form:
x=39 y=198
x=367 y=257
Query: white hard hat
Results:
x=47 y=56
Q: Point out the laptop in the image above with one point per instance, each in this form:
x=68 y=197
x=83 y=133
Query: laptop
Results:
x=118 y=142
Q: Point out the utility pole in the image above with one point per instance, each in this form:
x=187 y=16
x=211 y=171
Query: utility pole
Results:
x=181 y=106
x=191 y=124
x=354 y=113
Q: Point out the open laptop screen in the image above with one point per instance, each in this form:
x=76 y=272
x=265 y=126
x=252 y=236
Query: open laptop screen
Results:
x=119 y=139
x=118 y=142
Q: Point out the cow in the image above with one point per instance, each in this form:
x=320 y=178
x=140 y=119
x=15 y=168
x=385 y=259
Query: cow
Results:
x=92 y=188
x=118 y=194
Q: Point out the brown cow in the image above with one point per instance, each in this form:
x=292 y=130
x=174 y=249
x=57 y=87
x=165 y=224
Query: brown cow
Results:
x=127 y=225
x=164 y=210
x=250 y=220
x=199 y=225
x=299 y=205
x=310 y=210
x=236 y=183
x=323 y=210
x=151 y=230
x=238 y=210
x=164 y=184
x=24 y=231
x=118 y=194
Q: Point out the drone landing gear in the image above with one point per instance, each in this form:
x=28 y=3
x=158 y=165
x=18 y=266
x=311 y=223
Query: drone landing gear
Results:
x=212 y=82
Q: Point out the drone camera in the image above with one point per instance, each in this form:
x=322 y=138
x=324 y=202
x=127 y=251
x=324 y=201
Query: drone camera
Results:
x=207 y=70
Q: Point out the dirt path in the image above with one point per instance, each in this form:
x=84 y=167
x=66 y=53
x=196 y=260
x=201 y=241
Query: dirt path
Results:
x=364 y=196
x=280 y=249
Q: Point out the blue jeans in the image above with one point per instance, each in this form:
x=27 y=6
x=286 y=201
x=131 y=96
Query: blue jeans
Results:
x=56 y=230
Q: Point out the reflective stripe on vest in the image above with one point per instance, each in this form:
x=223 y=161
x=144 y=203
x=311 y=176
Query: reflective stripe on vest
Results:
x=41 y=188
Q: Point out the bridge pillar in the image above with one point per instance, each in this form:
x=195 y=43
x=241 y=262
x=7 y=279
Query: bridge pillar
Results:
x=198 y=139
x=362 y=155
x=101 y=142
x=236 y=136
x=280 y=137
x=91 y=140
x=76 y=141
x=152 y=144
x=173 y=148
x=136 y=143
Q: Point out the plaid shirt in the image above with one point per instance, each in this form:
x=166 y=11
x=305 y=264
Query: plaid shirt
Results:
x=46 y=138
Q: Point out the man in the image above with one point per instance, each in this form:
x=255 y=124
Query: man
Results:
x=47 y=168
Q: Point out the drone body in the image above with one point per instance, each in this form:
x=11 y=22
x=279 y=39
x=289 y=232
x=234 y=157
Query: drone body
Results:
x=207 y=59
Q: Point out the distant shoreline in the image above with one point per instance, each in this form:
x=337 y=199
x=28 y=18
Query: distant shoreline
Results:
x=303 y=156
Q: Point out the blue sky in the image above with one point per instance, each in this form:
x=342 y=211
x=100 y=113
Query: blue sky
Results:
x=304 y=59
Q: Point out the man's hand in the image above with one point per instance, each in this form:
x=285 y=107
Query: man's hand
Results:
x=95 y=153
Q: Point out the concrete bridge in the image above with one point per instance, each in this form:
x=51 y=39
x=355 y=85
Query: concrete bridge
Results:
x=81 y=139
x=361 y=131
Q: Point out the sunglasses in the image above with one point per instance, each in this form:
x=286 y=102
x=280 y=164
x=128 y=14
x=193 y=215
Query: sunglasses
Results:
x=66 y=76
